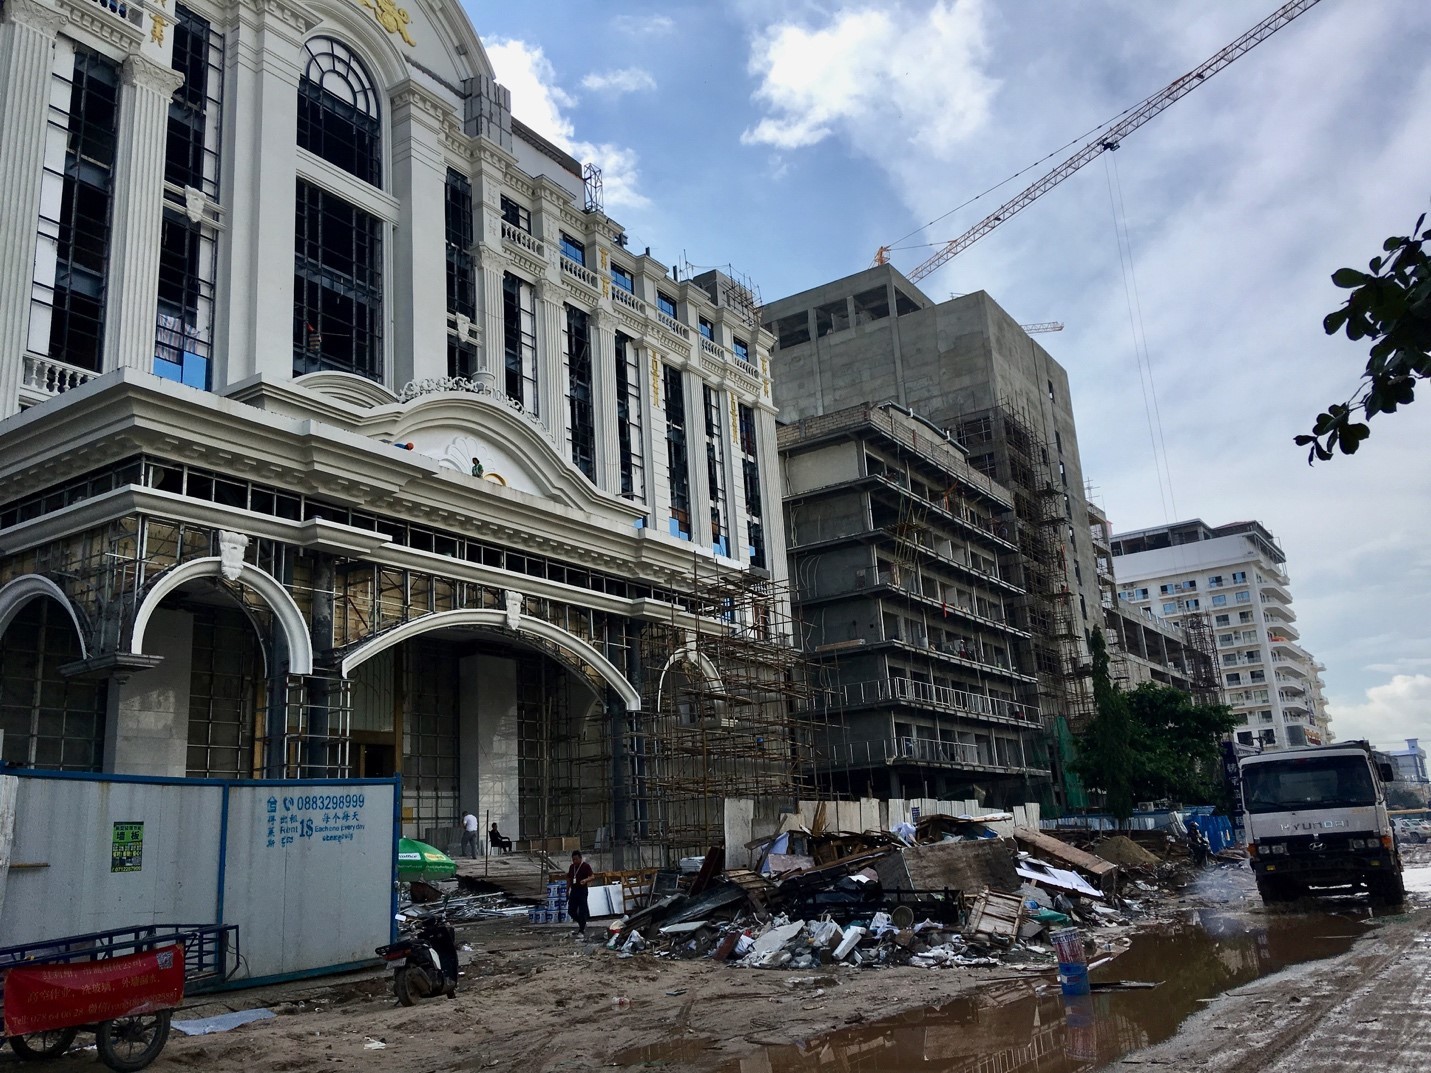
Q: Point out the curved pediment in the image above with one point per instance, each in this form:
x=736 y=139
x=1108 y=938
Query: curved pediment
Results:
x=457 y=427
x=436 y=38
x=347 y=388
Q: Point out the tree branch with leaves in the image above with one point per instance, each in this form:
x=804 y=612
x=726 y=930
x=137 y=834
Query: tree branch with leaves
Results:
x=1391 y=305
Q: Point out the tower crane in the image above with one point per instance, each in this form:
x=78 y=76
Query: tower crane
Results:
x=1110 y=138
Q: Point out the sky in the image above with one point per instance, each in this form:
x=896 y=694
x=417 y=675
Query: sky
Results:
x=1191 y=268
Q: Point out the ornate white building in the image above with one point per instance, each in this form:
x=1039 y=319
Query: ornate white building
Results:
x=341 y=434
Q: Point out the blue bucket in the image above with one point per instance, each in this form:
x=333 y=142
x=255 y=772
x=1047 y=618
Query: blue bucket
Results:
x=1073 y=979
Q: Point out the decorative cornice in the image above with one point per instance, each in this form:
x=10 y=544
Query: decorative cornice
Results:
x=422 y=101
x=102 y=25
x=33 y=15
x=291 y=15
x=144 y=73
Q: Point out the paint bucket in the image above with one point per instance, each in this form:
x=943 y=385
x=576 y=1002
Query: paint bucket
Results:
x=1068 y=945
x=1073 y=979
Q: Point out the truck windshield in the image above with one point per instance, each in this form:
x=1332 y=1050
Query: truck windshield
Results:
x=1308 y=782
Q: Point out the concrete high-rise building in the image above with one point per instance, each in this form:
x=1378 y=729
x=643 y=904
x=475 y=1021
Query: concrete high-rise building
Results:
x=341 y=433
x=1236 y=575
x=896 y=552
x=967 y=367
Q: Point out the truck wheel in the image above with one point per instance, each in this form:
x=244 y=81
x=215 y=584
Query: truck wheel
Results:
x=127 y=1044
x=1387 y=890
x=1275 y=891
x=38 y=1046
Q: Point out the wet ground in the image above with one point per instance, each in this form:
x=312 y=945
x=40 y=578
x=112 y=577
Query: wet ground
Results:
x=1010 y=1026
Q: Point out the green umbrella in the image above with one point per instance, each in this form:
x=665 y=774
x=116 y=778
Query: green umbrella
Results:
x=418 y=860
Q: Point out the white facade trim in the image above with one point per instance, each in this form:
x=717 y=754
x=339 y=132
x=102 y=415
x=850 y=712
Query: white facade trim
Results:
x=16 y=594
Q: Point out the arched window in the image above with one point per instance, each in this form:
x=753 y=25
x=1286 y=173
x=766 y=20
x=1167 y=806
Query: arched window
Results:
x=338 y=116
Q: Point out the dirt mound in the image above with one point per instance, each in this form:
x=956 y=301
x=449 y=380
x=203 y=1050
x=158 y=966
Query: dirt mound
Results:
x=1122 y=850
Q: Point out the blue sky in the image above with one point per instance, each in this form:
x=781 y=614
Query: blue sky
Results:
x=790 y=140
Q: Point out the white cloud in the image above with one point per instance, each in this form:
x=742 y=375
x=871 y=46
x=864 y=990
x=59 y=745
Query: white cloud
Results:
x=622 y=80
x=1389 y=714
x=882 y=78
x=644 y=25
x=540 y=102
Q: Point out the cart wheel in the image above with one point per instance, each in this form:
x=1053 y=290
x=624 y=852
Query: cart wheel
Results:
x=40 y=1045
x=130 y=1043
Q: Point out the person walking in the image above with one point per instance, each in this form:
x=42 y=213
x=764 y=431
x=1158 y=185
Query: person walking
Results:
x=578 y=877
x=469 y=834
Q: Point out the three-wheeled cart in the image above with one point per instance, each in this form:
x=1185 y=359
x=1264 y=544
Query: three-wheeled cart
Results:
x=121 y=985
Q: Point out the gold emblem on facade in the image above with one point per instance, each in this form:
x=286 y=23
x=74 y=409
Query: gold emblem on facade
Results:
x=390 y=17
x=157 y=23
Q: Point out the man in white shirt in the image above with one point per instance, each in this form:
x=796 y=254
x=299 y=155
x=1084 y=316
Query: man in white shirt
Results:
x=469 y=834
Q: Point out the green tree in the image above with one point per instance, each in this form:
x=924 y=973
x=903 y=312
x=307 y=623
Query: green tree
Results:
x=1105 y=759
x=1391 y=306
x=1153 y=742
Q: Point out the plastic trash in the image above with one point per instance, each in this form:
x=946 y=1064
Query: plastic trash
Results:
x=853 y=934
x=620 y=1001
x=374 y=1044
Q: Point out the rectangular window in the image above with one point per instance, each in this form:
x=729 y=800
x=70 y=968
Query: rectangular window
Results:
x=622 y=279
x=1170 y=609
x=1140 y=594
x=191 y=155
x=1229 y=659
x=706 y=328
x=741 y=348
x=750 y=471
x=1220 y=600
x=1243 y=597
x=337 y=286
x=715 y=469
x=678 y=461
x=1235 y=678
x=1166 y=590
x=461 y=274
x=1192 y=605
x=519 y=341
x=628 y=420
x=1215 y=581
x=182 y=340
x=1221 y=620
x=72 y=244
x=519 y=216
x=1257 y=676
x=572 y=250
x=581 y=414
x=1239 y=577
x=666 y=304
x=461 y=358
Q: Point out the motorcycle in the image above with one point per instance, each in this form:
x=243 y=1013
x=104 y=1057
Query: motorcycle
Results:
x=425 y=962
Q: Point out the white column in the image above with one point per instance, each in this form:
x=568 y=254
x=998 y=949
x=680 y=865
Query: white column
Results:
x=491 y=363
x=255 y=325
x=132 y=291
x=696 y=460
x=419 y=294
x=603 y=397
x=551 y=364
x=27 y=30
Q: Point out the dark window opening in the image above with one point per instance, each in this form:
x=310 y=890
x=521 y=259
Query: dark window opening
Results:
x=677 y=456
x=741 y=348
x=338 y=116
x=834 y=317
x=622 y=279
x=628 y=420
x=192 y=153
x=666 y=304
x=68 y=314
x=792 y=330
x=581 y=411
x=519 y=340
x=519 y=216
x=337 y=286
x=706 y=328
x=182 y=346
x=871 y=305
x=715 y=469
x=461 y=359
x=750 y=472
x=461 y=278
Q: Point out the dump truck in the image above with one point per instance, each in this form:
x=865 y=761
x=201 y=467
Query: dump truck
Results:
x=1317 y=822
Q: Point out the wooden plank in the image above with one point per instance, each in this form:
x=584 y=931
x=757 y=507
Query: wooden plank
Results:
x=1046 y=846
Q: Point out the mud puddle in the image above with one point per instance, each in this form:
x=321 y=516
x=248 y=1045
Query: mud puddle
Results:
x=1013 y=1027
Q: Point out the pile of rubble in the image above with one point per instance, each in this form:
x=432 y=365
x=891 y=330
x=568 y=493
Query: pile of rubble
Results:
x=947 y=891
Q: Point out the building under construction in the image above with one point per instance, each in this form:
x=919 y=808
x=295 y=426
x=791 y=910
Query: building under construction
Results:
x=967 y=367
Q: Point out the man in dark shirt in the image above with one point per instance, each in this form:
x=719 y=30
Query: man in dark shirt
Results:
x=578 y=876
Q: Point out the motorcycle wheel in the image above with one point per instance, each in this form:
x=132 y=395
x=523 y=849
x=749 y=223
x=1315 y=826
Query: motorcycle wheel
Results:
x=38 y=1046
x=411 y=985
x=127 y=1044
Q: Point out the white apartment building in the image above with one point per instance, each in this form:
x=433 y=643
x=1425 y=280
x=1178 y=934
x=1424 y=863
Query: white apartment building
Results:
x=341 y=434
x=1235 y=575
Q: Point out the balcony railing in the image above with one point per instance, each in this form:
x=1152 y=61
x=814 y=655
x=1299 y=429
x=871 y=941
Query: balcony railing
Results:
x=926 y=694
x=979 y=756
x=583 y=275
x=672 y=325
x=49 y=377
x=524 y=240
x=629 y=300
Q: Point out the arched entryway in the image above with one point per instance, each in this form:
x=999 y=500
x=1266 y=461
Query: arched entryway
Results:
x=50 y=719
x=480 y=710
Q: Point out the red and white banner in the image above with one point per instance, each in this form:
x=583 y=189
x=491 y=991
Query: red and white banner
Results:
x=40 y=998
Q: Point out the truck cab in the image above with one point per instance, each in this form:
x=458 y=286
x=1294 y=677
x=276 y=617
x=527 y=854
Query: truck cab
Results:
x=1317 y=821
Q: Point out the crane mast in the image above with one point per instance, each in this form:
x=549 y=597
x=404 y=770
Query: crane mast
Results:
x=1112 y=135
